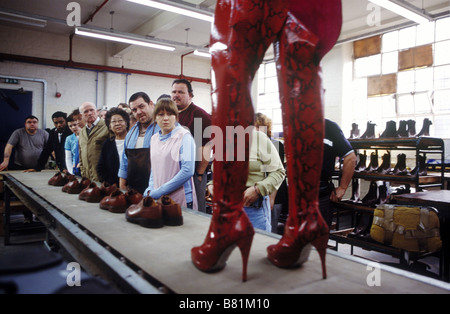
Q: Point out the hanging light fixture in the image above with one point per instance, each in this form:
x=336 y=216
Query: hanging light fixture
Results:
x=404 y=9
x=113 y=35
x=178 y=9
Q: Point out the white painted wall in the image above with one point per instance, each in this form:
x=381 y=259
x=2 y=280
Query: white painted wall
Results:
x=102 y=88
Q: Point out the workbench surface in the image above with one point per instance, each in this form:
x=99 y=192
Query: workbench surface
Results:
x=165 y=254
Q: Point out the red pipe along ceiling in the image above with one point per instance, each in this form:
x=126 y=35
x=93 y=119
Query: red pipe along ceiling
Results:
x=101 y=68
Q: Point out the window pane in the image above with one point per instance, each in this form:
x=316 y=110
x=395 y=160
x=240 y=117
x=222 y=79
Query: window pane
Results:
x=440 y=127
x=443 y=29
x=390 y=42
x=388 y=106
x=405 y=82
x=441 y=53
x=422 y=103
x=368 y=66
x=261 y=87
x=390 y=62
x=407 y=37
x=442 y=102
x=271 y=84
x=424 y=80
x=405 y=104
x=425 y=34
x=271 y=69
x=374 y=105
x=277 y=117
x=442 y=77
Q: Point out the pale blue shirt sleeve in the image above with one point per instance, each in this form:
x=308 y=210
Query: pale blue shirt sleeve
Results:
x=187 y=169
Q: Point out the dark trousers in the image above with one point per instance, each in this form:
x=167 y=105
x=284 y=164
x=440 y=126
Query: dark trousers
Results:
x=326 y=209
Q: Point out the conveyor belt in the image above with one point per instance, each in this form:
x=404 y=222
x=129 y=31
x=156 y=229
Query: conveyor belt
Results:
x=164 y=253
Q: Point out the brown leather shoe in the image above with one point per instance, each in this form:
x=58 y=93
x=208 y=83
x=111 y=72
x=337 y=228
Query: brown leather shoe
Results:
x=172 y=214
x=75 y=187
x=58 y=180
x=133 y=197
x=115 y=203
x=107 y=188
x=148 y=213
x=84 y=183
x=91 y=194
x=71 y=179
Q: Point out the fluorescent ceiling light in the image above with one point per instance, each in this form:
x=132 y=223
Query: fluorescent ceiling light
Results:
x=22 y=19
x=202 y=53
x=176 y=8
x=404 y=9
x=120 y=37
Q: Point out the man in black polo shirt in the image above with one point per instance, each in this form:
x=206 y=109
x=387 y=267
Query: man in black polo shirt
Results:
x=335 y=145
x=55 y=143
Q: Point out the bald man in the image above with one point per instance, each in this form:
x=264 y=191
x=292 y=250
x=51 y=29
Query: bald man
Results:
x=92 y=136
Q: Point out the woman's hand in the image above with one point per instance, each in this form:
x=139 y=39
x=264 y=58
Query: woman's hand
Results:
x=251 y=195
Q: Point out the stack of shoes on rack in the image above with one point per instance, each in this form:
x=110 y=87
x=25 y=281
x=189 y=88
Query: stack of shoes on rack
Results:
x=407 y=128
x=354 y=133
x=361 y=166
x=399 y=169
x=385 y=167
x=373 y=165
x=421 y=167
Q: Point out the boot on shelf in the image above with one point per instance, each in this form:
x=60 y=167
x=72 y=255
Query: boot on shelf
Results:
x=421 y=167
x=411 y=124
x=383 y=197
x=385 y=166
x=391 y=130
x=354 y=133
x=403 y=129
x=400 y=168
x=361 y=166
x=370 y=131
x=425 y=128
x=355 y=191
x=371 y=197
x=373 y=166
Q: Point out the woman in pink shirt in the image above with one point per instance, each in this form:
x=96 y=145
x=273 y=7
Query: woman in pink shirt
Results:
x=172 y=157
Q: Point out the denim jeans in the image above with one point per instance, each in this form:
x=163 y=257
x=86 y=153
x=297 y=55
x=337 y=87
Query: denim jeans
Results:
x=259 y=214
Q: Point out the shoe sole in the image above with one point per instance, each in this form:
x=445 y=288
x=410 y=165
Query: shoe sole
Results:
x=147 y=223
x=173 y=221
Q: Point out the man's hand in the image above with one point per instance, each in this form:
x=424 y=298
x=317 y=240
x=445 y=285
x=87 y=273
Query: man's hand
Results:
x=337 y=195
x=30 y=170
x=4 y=165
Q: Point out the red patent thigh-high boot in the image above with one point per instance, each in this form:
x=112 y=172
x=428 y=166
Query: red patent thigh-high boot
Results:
x=239 y=39
x=300 y=94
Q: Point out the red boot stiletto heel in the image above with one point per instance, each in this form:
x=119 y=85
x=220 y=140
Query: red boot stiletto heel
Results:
x=294 y=247
x=226 y=231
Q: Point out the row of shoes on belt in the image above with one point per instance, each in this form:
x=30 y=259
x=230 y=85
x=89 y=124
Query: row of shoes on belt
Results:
x=138 y=209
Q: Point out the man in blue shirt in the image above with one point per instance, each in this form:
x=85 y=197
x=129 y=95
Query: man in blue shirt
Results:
x=134 y=171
